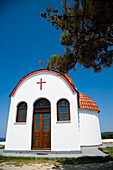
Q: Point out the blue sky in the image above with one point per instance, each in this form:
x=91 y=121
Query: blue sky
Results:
x=25 y=38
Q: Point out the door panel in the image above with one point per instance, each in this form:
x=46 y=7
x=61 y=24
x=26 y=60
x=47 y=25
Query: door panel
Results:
x=36 y=131
x=41 y=138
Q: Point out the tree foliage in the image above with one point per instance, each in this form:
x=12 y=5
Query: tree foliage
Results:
x=87 y=35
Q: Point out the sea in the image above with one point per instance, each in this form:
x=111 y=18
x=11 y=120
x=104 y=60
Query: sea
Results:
x=2 y=139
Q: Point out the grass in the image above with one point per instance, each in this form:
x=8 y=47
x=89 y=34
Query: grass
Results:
x=107 y=143
x=109 y=150
x=75 y=161
x=84 y=160
x=19 y=161
x=2 y=146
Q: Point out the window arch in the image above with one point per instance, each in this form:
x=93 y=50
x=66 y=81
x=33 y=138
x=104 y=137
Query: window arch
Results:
x=63 y=110
x=21 y=112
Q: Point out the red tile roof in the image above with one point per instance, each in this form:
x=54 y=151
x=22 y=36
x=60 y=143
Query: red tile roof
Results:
x=86 y=102
x=69 y=79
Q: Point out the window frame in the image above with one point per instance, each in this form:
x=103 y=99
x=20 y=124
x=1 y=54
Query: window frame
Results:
x=63 y=106
x=18 y=112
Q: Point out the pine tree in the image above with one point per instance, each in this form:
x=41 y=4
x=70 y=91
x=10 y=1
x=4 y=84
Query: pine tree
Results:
x=87 y=34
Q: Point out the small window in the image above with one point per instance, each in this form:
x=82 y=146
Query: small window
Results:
x=21 y=112
x=63 y=110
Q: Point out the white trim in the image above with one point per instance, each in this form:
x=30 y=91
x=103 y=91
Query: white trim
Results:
x=20 y=123
x=63 y=121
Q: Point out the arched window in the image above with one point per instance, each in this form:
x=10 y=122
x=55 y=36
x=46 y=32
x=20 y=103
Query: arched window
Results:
x=63 y=110
x=42 y=103
x=21 y=112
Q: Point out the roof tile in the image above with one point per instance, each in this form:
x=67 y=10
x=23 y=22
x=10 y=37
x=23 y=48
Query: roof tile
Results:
x=69 y=79
x=86 y=102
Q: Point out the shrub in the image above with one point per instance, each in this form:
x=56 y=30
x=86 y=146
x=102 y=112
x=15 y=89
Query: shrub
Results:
x=107 y=135
x=2 y=146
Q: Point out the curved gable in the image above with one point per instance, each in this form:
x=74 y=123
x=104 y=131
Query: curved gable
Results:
x=65 y=78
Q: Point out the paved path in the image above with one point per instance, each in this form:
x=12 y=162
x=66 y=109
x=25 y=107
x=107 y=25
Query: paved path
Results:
x=42 y=166
x=86 y=151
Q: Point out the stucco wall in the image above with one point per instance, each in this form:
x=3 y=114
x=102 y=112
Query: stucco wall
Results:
x=89 y=128
x=107 y=140
x=64 y=135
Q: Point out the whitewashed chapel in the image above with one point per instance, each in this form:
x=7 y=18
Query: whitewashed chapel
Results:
x=48 y=113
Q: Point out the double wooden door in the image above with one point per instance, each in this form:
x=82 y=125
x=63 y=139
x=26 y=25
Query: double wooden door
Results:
x=41 y=138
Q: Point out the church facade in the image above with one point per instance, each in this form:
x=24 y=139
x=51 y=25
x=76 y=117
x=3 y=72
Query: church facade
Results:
x=48 y=113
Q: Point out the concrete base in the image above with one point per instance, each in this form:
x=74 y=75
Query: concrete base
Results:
x=40 y=152
x=85 y=152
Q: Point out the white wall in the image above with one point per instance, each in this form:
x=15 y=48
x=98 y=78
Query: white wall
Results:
x=89 y=128
x=2 y=143
x=64 y=135
x=107 y=140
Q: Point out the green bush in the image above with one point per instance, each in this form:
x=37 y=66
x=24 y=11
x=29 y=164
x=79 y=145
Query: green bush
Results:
x=2 y=146
x=107 y=135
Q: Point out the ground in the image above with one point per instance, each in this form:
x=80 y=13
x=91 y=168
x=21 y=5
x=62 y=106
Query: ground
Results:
x=46 y=166
x=81 y=163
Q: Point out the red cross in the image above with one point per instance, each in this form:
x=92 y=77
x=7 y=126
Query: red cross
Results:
x=41 y=83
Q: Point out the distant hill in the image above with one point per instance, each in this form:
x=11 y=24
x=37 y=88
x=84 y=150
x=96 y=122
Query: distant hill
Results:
x=106 y=132
x=107 y=135
x=2 y=139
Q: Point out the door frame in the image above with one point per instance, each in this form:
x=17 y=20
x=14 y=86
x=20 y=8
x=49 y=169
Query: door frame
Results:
x=43 y=122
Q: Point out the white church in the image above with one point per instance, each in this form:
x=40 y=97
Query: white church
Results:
x=48 y=113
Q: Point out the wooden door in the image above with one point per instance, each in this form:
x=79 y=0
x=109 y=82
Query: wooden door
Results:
x=41 y=138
